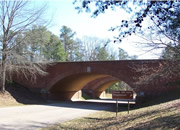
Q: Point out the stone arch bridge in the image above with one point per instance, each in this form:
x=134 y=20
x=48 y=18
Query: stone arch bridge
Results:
x=64 y=79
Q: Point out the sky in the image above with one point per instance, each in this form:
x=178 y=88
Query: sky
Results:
x=62 y=12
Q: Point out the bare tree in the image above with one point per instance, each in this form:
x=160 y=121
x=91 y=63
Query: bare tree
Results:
x=15 y=17
x=161 y=39
x=91 y=47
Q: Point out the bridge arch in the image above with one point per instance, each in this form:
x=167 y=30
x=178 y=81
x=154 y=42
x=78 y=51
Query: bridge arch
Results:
x=67 y=84
x=95 y=88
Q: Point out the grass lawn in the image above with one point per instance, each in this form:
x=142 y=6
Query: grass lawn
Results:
x=161 y=117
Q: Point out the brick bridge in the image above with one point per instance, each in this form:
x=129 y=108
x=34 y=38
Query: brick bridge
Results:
x=64 y=79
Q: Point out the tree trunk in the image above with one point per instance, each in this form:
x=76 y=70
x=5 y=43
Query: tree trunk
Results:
x=3 y=79
x=3 y=75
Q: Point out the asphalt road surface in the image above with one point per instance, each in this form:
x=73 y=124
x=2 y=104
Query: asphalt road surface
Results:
x=38 y=116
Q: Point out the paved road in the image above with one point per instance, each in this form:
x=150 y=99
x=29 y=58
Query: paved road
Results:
x=38 y=116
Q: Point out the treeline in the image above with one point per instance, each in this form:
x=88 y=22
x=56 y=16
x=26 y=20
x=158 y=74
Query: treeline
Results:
x=39 y=44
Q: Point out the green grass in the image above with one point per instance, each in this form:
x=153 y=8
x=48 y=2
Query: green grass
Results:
x=161 y=117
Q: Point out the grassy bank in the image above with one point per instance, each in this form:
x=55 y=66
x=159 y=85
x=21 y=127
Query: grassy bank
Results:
x=16 y=95
x=161 y=116
x=6 y=100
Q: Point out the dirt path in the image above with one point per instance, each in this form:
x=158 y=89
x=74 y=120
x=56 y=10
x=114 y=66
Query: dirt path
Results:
x=38 y=116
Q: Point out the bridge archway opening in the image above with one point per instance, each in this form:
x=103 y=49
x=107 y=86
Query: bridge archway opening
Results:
x=67 y=87
x=116 y=86
x=103 y=88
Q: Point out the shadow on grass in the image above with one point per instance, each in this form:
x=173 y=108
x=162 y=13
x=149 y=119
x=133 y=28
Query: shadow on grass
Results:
x=168 y=122
x=99 y=119
x=24 y=95
x=147 y=120
x=166 y=116
x=155 y=100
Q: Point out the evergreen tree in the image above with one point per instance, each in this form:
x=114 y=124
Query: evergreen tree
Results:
x=67 y=38
x=102 y=54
